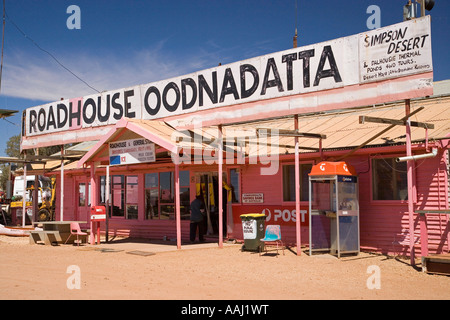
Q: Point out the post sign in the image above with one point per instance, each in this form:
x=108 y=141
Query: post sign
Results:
x=131 y=152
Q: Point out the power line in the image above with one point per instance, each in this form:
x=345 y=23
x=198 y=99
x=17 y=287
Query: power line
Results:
x=3 y=42
x=42 y=49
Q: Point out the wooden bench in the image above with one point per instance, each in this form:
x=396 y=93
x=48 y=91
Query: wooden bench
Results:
x=438 y=264
x=48 y=237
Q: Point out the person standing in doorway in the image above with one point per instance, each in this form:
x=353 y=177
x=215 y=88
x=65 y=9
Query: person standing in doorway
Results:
x=197 y=217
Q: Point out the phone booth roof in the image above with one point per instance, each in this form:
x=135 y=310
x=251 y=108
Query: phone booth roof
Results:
x=327 y=168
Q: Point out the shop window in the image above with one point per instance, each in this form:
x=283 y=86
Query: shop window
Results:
x=118 y=196
x=160 y=195
x=81 y=194
x=123 y=196
x=289 y=182
x=84 y=194
x=389 y=179
x=234 y=184
x=151 y=196
x=132 y=197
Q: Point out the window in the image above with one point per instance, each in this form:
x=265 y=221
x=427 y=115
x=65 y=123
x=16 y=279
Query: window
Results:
x=389 y=179
x=81 y=194
x=132 y=197
x=151 y=196
x=84 y=194
x=118 y=195
x=289 y=182
x=123 y=195
x=234 y=184
x=160 y=195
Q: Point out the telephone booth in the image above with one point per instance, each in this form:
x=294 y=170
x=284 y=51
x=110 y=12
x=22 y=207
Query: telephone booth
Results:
x=333 y=209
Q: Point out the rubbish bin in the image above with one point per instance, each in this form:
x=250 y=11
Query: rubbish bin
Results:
x=253 y=226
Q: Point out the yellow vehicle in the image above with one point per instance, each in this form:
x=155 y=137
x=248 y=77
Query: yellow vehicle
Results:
x=45 y=198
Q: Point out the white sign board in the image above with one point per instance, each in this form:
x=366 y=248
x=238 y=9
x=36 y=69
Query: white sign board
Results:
x=131 y=151
x=308 y=75
x=249 y=229
x=395 y=51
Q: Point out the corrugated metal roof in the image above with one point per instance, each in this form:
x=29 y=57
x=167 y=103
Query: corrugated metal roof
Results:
x=343 y=130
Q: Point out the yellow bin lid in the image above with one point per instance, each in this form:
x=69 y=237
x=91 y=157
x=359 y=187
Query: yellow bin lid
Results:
x=253 y=215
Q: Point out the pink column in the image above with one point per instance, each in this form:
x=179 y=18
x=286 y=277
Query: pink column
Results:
x=177 y=201
x=410 y=183
x=423 y=234
x=297 y=191
x=220 y=188
x=95 y=226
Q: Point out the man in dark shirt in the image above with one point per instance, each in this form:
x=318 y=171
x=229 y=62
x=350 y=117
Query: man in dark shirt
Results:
x=197 y=209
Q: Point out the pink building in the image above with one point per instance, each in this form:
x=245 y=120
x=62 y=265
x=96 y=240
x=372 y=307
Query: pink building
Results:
x=256 y=128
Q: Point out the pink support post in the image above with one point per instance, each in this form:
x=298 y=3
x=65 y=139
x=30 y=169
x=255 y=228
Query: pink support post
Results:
x=177 y=201
x=410 y=183
x=95 y=226
x=220 y=187
x=297 y=191
x=423 y=234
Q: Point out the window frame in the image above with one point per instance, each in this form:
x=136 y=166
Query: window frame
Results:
x=372 y=181
x=290 y=202
x=186 y=188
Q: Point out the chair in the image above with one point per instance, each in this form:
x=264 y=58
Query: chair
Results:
x=273 y=234
x=75 y=231
x=402 y=240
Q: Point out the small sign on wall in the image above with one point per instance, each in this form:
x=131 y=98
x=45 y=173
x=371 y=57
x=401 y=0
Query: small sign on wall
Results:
x=252 y=198
x=131 y=151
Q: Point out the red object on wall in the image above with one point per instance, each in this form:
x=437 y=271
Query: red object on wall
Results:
x=98 y=213
x=326 y=168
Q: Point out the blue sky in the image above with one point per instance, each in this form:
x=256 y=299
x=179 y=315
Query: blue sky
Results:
x=125 y=43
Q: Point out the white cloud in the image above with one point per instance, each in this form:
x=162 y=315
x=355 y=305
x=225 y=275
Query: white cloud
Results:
x=39 y=77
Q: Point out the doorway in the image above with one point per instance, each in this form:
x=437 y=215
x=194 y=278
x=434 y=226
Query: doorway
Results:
x=207 y=185
x=83 y=199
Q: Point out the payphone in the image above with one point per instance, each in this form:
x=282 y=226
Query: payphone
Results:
x=333 y=209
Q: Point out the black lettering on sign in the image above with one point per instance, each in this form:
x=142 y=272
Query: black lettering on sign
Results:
x=191 y=83
x=41 y=119
x=33 y=120
x=305 y=55
x=51 y=118
x=171 y=107
x=327 y=54
x=248 y=68
x=203 y=85
x=103 y=117
x=228 y=86
x=152 y=111
x=75 y=115
x=288 y=59
x=119 y=113
x=127 y=105
x=276 y=82
x=86 y=118
x=61 y=119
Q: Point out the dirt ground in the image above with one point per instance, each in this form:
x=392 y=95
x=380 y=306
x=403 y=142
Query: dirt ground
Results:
x=203 y=272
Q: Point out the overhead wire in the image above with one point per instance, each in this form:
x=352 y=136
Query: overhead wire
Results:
x=44 y=50
x=3 y=42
